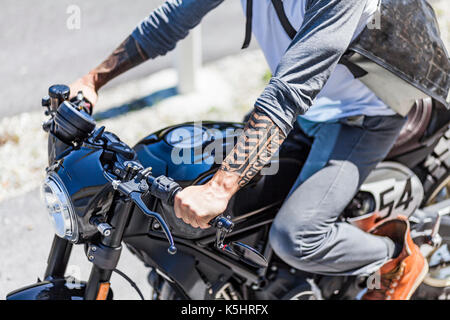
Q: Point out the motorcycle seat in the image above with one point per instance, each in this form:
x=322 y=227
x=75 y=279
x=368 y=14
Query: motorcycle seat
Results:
x=415 y=127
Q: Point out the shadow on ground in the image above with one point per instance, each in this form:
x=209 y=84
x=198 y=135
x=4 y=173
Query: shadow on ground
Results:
x=139 y=104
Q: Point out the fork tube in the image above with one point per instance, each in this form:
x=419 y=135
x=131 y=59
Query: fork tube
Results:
x=96 y=277
x=58 y=258
x=119 y=221
x=122 y=212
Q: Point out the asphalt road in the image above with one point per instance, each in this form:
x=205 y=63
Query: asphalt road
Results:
x=37 y=48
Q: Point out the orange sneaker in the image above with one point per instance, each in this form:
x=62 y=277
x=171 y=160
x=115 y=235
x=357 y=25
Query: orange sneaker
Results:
x=400 y=276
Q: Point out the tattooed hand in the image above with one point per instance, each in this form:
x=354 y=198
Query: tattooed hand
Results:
x=85 y=85
x=127 y=56
x=198 y=205
x=260 y=140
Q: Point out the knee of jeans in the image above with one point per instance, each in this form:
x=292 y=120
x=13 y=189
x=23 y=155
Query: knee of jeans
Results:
x=283 y=243
x=295 y=244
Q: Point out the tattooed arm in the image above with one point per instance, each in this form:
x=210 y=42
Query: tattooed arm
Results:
x=154 y=36
x=256 y=146
x=127 y=56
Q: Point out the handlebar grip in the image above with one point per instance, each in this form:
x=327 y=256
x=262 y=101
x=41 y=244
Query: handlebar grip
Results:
x=164 y=188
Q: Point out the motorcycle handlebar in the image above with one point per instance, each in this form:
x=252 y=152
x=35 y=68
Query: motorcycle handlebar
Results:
x=163 y=188
x=166 y=189
x=81 y=103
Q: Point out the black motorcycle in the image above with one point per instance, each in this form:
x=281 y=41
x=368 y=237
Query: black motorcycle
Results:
x=102 y=194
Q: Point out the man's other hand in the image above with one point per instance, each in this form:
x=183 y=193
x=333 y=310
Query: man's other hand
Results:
x=86 y=85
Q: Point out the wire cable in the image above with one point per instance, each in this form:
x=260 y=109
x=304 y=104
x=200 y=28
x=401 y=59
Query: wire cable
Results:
x=131 y=282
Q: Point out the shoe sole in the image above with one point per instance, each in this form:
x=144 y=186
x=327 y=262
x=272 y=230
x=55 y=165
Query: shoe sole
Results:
x=436 y=283
x=423 y=274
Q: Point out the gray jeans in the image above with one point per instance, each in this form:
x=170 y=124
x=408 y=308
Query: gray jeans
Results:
x=306 y=232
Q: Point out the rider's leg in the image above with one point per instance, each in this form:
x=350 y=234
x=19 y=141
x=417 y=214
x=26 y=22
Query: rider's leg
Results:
x=306 y=233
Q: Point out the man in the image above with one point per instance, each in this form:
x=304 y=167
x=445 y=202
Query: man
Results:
x=353 y=130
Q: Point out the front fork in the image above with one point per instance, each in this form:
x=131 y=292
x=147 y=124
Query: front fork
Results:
x=104 y=255
x=58 y=258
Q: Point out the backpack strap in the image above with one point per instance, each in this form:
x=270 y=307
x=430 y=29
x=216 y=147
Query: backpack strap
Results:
x=287 y=26
x=356 y=70
x=248 y=26
x=278 y=5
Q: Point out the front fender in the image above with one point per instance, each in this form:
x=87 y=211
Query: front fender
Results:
x=54 y=289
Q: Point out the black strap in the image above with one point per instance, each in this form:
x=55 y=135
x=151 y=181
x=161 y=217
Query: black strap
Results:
x=287 y=26
x=357 y=71
x=248 y=26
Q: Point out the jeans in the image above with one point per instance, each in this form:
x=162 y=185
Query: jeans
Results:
x=306 y=232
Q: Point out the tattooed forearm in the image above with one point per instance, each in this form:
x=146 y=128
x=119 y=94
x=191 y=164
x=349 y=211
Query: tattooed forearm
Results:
x=127 y=56
x=255 y=148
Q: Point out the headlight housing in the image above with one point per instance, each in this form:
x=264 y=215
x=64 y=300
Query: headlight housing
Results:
x=59 y=207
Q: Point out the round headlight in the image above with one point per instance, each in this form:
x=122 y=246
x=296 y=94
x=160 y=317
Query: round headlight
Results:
x=60 y=208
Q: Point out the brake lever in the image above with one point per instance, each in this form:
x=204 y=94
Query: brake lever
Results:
x=134 y=189
x=165 y=189
x=136 y=198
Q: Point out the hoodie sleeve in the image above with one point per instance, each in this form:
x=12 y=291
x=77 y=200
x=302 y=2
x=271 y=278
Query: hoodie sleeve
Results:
x=325 y=35
x=171 y=22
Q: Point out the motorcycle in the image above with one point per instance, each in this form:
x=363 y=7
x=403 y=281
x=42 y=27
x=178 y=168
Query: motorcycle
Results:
x=102 y=194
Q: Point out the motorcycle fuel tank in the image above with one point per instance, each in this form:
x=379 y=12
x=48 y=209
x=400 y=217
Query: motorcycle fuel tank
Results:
x=191 y=154
x=189 y=151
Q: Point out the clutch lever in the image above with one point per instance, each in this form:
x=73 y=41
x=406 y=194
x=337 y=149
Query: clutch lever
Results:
x=81 y=103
